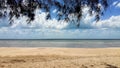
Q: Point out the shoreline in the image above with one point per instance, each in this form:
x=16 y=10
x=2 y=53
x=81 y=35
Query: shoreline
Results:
x=49 y=57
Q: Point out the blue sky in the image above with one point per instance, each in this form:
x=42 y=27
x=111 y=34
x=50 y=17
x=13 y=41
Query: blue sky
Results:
x=107 y=28
x=112 y=10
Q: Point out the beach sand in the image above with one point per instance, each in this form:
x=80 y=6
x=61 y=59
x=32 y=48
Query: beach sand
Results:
x=59 y=57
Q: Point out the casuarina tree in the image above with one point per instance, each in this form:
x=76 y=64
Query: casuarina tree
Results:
x=65 y=8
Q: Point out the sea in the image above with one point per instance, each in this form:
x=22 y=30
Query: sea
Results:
x=62 y=43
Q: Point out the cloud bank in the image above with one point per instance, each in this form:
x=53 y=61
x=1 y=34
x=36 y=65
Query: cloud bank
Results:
x=41 y=28
x=112 y=22
x=40 y=22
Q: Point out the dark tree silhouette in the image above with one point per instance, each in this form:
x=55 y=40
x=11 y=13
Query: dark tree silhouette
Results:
x=27 y=8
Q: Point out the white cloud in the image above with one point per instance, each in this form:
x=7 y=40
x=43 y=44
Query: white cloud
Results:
x=17 y=30
x=112 y=22
x=55 y=10
x=116 y=4
x=40 y=22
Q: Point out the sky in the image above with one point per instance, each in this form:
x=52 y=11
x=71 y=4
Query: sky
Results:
x=107 y=28
x=112 y=10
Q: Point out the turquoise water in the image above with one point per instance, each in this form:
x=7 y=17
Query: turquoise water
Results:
x=61 y=43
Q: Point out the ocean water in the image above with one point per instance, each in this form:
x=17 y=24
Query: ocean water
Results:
x=61 y=43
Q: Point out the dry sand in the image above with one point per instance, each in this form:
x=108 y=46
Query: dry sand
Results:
x=59 y=58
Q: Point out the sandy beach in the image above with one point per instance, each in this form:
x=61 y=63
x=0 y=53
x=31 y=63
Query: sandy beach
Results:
x=59 y=57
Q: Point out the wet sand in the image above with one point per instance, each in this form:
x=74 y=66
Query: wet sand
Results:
x=59 y=57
